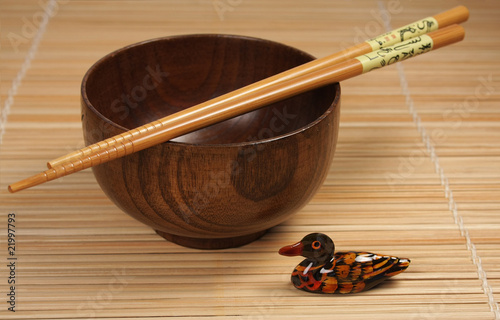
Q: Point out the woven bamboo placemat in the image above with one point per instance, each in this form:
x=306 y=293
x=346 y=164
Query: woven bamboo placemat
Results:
x=416 y=172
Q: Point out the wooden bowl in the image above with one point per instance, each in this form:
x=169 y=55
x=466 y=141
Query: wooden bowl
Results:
x=225 y=185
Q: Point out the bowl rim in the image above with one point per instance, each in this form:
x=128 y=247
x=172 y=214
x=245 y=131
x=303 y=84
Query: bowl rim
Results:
x=331 y=108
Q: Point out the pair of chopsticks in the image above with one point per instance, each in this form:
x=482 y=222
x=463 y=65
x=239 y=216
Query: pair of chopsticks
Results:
x=400 y=44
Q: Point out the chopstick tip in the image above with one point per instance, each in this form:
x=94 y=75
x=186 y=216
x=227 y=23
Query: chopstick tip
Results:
x=30 y=182
x=465 y=11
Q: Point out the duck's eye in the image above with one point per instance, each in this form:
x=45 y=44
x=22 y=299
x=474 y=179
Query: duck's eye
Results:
x=316 y=245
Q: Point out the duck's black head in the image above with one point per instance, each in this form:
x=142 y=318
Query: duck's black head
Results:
x=315 y=246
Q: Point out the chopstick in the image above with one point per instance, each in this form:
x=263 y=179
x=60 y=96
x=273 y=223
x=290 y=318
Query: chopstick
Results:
x=198 y=117
x=453 y=16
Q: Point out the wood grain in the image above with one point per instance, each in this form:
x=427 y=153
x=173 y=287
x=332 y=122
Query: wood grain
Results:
x=224 y=185
x=81 y=257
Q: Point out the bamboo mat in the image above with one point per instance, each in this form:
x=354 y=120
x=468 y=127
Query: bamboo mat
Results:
x=416 y=172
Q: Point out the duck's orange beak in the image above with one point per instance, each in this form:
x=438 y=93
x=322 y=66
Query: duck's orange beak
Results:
x=293 y=250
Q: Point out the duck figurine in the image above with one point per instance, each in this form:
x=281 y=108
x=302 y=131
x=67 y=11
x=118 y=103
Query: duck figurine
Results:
x=324 y=271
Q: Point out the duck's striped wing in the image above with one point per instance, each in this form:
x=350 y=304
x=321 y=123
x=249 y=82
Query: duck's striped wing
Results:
x=358 y=271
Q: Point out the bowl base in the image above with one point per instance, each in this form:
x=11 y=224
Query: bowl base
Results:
x=216 y=243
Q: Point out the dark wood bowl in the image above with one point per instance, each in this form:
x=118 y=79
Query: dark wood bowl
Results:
x=225 y=185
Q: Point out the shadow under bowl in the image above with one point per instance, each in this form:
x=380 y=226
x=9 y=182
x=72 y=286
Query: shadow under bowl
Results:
x=224 y=185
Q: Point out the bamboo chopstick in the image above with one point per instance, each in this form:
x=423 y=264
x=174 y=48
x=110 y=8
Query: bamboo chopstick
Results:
x=201 y=116
x=453 y=16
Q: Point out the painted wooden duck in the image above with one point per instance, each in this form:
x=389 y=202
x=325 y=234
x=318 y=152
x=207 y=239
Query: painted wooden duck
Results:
x=324 y=271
